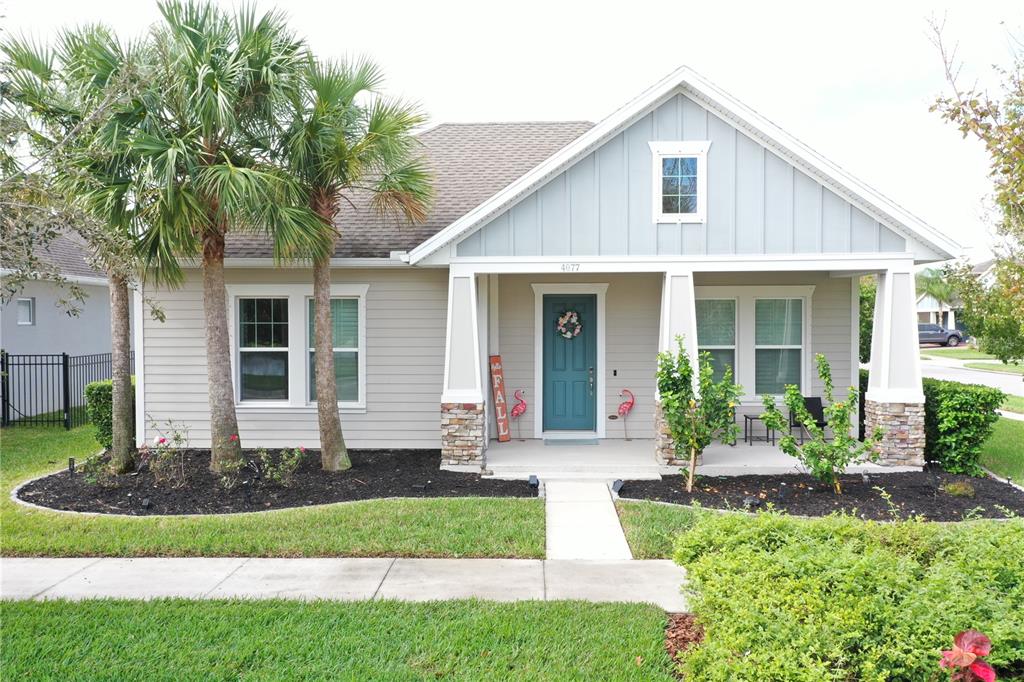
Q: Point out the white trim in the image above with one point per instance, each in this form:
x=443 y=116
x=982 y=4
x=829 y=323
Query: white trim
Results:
x=74 y=279
x=140 y=366
x=268 y=262
x=298 y=354
x=686 y=81
x=683 y=149
x=808 y=262
x=599 y=289
x=746 y=296
x=31 y=311
x=855 y=349
x=470 y=395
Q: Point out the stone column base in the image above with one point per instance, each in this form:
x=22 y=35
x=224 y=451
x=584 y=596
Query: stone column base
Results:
x=903 y=423
x=664 y=448
x=462 y=434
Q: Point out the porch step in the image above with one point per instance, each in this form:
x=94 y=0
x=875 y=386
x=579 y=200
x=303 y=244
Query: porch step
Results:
x=573 y=473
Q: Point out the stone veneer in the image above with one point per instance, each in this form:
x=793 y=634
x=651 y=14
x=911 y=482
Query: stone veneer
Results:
x=664 y=450
x=903 y=441
x=462 y=433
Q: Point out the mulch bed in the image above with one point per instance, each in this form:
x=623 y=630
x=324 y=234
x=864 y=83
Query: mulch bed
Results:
x=682 y=633
x=912 y=494
x=374 y=474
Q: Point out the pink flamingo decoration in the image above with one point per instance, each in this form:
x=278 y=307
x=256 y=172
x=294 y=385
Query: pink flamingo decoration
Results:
x=519 y=409
x=625 y=407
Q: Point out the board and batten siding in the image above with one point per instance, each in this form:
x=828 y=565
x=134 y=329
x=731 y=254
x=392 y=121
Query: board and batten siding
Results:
x=757 y=202
x=405 y=336
x=632 y=311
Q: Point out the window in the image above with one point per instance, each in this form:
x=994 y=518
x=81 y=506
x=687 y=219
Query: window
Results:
x=680 y=181
x=778 y=344
x=26 y=311
x=716 y=333
x=263 y=348
x=345 y=316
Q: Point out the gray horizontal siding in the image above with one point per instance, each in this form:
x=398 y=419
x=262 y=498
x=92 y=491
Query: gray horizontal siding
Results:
x=405 y=330
x=757 y=203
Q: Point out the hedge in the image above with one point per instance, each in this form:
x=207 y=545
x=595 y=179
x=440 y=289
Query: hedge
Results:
x=840 y=599
x=99 y=404
x=958 y=419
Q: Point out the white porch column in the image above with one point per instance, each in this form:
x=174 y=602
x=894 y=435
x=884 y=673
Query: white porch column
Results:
x=895 y=399
x=462 y=404
x=678 y=318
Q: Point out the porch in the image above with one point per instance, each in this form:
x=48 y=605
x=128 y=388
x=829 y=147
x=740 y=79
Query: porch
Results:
x=610 y=459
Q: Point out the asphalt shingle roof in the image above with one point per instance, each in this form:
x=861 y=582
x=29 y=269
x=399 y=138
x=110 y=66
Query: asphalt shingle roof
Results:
x=470 y=161
x=68 y=253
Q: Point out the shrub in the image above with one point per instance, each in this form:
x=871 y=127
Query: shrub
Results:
x=99 y=405
x=695 y=418
x=958 y=489
x=958 y=419
x=782 y=598
x=825 y=458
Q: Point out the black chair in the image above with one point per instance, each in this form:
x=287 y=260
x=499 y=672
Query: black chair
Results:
x=817 y=411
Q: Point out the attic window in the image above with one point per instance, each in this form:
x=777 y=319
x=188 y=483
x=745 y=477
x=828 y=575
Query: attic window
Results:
x=680 y=181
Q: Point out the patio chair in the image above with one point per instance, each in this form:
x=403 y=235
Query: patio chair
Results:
x=816 y=409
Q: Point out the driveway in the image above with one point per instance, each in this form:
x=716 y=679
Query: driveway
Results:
x=953 y=370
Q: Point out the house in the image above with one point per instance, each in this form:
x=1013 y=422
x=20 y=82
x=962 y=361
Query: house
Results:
x=682 y=213
x=931 y=311
x=40 y=323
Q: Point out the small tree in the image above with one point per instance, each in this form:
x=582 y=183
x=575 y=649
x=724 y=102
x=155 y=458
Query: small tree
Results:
x=696 y=418
x=825 y=458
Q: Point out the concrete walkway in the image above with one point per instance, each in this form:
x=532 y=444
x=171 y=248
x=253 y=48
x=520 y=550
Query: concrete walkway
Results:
x=656 y=582
x=582 y=523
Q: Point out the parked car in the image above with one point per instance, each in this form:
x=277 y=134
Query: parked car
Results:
x=936 y=333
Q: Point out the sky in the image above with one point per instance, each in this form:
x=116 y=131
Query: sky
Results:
x=852 y=80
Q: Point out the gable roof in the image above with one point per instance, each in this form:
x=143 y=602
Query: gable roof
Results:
x=688 y=82
x=470 y=162
x=69 y=255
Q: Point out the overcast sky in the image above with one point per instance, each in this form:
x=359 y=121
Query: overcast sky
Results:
x=854 y=81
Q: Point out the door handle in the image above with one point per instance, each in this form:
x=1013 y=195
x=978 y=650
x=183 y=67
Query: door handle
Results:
x=590 y=380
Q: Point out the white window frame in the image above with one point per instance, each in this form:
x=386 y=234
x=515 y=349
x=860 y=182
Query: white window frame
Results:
x=31 y=311
x=745 y=295
x=735 y=332
x=802 y=346
x=360 y=350
x=298 y=362
x=694 y=149
x=237 y=370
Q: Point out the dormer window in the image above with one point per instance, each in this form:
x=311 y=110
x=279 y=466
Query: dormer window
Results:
x=680 y=181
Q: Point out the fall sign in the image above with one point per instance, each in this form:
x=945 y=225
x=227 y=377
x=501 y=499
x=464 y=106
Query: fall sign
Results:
x=500 y=404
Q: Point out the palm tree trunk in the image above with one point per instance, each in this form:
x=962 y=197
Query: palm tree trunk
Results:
x=225 y=444
x=333 y=453
x=122 y=451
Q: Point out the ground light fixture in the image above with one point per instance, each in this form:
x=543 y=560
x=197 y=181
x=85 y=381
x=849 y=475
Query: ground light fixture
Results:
x=617 y=486
x=534 y=481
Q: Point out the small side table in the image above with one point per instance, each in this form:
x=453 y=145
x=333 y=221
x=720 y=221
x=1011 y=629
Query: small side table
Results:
x=748 y=430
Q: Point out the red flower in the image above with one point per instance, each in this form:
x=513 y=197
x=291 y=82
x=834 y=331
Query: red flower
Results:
x=968 y=647
x=233 y=438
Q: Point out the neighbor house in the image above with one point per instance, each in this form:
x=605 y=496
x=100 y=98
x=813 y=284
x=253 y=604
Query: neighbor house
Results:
x=684 y=213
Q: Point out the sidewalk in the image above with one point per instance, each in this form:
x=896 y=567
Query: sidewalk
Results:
x=656 y=582
x=582 y=523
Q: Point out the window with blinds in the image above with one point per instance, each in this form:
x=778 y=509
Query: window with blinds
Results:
x=778 y=344
x=716 y=333
x=345 y=318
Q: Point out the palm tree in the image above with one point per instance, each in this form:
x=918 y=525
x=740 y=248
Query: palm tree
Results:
x=344 y=142
x=218 y=80
x=933 y=283
x=78 y=103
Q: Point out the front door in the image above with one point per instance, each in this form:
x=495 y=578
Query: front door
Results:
x=570 y=364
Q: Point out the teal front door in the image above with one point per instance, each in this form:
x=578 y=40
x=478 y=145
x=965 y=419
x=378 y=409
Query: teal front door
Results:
x=570 y=365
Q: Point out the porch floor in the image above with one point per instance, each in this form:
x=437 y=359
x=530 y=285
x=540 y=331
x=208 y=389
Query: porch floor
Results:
x=634 y=459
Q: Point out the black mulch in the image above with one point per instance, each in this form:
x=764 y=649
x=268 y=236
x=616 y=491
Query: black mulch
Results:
x=912 y=494
x=374 y=474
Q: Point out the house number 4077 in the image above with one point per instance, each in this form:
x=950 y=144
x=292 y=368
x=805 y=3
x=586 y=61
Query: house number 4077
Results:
x=570 y=267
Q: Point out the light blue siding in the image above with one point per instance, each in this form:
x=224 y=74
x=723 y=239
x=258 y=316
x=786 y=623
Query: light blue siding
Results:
x=756 y=203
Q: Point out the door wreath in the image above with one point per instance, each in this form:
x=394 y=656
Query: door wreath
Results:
x=569 y=325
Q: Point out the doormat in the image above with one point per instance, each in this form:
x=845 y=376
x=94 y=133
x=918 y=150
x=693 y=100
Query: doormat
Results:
x=570 y=441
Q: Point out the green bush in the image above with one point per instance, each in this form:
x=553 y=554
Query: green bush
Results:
x=99 y=397
x=958 y=419
x=782 y=598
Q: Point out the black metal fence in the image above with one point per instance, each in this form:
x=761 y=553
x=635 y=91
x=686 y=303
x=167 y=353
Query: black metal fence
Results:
x=49 y=390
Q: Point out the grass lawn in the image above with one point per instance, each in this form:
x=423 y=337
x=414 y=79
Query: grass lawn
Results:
x=453 y=527
x=1014 y=403
x=1004 y=451
x=996 y=367
x=277 y=640
x=957 y=353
